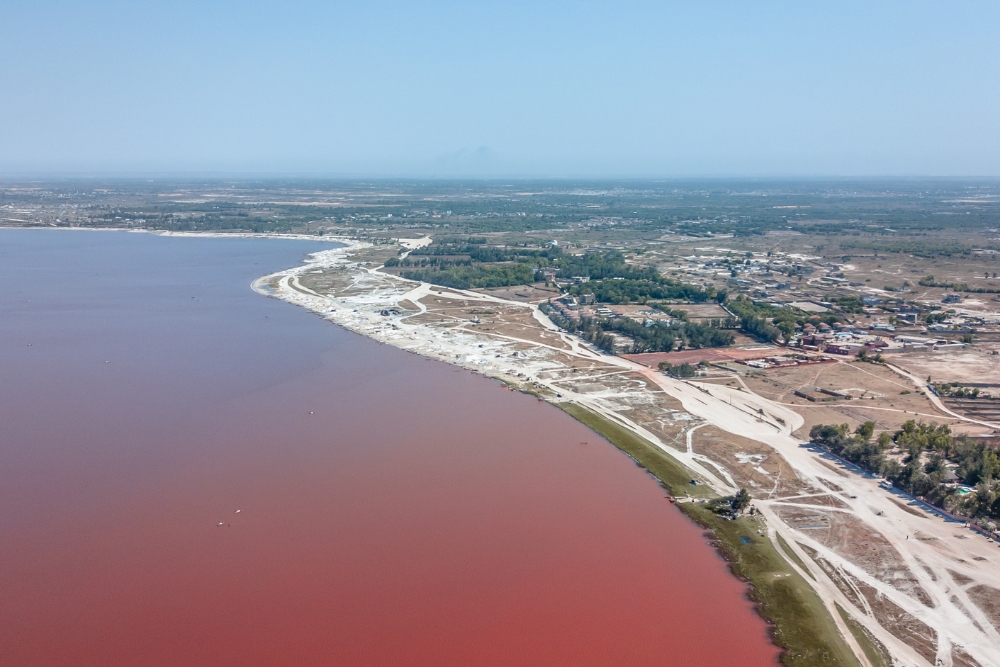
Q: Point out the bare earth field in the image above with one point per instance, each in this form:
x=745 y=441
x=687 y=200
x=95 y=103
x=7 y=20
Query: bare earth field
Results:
x=971 y=367
x=653 y=359
x=877 y=395
x=923 y=589
x=704 y=311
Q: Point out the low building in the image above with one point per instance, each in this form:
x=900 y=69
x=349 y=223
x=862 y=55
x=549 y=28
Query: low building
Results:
x=948 y=347
x=915 y=340
x=844 y=348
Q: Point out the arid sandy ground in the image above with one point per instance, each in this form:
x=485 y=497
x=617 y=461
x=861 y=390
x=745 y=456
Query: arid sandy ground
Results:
x=926 y=589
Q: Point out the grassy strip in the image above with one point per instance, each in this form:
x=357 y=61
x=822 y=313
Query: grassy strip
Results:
x=876 y=654
x=672 y=475
x=794 y=556
x=800 y=622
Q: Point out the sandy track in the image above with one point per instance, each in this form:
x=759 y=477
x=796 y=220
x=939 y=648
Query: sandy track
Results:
x=871 y=504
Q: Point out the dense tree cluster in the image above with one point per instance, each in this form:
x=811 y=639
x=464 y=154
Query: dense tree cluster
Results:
x=849 y=303
x=923 y=471
x=684 y=370
x=477 y=250
x=640 y=291
x=587 y=328
x=646 y=337
x=666 y=336
x=603 y=265
x=428 y=262
x=925 y=248
x=612 y=280
x=474 y=251
x=753 y=319
x=770 y=323
x=468 y=277
x=956 y=390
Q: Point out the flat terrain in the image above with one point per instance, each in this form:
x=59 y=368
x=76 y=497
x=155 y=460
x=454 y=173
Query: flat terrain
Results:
x=972 y=367
x=888 y=564
x=877 y=394
x=905 y=269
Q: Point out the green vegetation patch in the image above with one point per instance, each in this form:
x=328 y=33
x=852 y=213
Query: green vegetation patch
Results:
x=640 y=291
x=956 y=390
x=925 y=248
x=769 y=322
x=612 y=280
x=672 y=475
x=468 y=277
x=928 y=281
x=794 y=556
x=928 y=448
x=647 y=336
x=800 y=622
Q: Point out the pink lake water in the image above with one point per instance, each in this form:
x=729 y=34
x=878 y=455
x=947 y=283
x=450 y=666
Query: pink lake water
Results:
x=393 y=510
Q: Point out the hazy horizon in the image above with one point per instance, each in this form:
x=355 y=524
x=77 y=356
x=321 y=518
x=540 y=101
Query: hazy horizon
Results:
x=443 y=91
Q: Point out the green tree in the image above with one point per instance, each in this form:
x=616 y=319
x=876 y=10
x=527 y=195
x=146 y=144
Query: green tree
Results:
x=866 y=430
x=741 y=500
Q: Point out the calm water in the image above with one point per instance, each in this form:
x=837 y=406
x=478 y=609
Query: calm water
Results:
x=395 y=511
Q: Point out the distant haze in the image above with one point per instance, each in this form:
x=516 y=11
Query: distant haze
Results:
x=555 y=89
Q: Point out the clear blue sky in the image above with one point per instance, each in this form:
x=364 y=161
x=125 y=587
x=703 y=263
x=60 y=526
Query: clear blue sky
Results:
x=501 y=88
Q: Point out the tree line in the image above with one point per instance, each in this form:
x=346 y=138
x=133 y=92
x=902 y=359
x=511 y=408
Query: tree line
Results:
x=927 y=450
x=654 y=337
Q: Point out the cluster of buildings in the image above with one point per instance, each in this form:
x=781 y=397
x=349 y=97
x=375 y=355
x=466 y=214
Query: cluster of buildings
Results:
x=573 y=308
x=847 y=340
x=782 y=361
x=781 y=280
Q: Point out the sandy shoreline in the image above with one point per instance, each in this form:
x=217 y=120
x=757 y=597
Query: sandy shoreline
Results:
x=362 y=314
x=516 y=343
x=399 y=312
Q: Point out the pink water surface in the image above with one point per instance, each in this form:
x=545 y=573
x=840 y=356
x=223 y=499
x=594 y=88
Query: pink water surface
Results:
x=394 y=510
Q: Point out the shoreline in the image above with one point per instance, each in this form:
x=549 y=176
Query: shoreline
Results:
x=810 y=636
x=541 y=360
x=905 y=624
x=781 y=596
x=164 y=232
